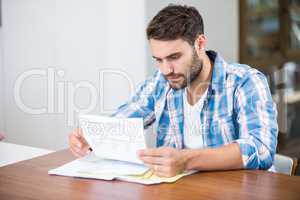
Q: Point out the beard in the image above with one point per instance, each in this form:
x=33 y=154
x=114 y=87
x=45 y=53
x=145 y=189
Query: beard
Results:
x=183 y=80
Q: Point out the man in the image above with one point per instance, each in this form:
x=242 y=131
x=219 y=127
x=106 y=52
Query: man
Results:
x=208 y=114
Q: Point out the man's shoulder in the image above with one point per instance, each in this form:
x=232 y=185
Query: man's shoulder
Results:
x=238 y=70
x=157 y=79
x=238 y=73
x=156 y=84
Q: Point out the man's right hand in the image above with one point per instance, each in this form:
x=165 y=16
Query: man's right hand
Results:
x=77 y=144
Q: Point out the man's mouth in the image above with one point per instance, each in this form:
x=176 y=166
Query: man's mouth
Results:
x=173 y=77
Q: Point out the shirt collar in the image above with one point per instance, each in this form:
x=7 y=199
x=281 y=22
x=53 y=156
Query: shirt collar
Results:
x=218 y=75
x=219 y=71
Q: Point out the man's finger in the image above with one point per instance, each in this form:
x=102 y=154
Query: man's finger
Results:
x=81 y=146
x=162 y=174
x=80 y=151
x=150 y=152
x=75 y=153
x=153 y=160
x=78 y=132
x=83 y=141
x=158 y=168
x=76 y=142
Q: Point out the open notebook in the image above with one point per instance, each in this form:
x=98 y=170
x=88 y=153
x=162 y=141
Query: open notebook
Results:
x=115 y=142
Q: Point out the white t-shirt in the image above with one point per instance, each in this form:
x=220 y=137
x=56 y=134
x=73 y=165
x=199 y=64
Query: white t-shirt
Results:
x=193 y=138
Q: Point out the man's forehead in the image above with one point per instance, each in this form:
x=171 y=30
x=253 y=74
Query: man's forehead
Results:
x=161 y=49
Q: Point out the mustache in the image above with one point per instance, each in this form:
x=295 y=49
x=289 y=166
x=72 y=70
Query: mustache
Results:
x=173 y=75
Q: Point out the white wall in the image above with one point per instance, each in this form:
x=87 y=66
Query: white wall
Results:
x=78 y=37
x=220 y=24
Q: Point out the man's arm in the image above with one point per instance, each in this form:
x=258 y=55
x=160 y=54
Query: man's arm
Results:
x=168 y=162
x=142 y=103
x=254 y=148
x=223 y=158
x=256 y=116
x=257 y=127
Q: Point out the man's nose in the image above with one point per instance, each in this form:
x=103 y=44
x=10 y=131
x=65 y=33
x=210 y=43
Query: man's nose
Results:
x=167 y=68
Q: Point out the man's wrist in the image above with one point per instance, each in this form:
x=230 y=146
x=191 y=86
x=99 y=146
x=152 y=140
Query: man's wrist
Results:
x=187 y=157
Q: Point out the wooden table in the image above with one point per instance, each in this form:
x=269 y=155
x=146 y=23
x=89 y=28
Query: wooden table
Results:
x=29 y=180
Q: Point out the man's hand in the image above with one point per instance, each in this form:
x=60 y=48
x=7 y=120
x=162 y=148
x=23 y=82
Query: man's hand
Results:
x=165 y=161
x=77 y=144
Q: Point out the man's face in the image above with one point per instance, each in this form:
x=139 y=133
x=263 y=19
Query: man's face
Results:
x=177 y=60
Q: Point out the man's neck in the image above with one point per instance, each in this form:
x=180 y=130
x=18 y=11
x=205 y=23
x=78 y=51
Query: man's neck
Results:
x=198 y=87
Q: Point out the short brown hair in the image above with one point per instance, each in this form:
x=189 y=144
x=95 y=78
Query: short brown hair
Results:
x=175 y=22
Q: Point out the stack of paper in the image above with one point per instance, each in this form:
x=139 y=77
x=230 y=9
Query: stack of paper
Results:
x=93 y=167
x=115 y=142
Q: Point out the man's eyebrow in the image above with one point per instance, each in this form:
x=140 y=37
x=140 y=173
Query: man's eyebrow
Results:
x=156 y=58
x=168 y=56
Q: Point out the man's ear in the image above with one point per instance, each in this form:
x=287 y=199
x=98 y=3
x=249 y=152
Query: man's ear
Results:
x=200 y=44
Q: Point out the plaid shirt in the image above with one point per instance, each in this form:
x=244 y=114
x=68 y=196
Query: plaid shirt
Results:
x=238 y=108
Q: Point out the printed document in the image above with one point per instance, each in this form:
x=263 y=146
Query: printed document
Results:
x=115 y=142
x=114 y=138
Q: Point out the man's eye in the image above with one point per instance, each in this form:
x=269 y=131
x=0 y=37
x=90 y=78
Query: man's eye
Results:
x=174 y=57
x=158 y=60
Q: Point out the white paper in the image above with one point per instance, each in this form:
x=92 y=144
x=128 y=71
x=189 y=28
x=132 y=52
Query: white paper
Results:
x=114 y=138
x=115 y=142
x=92 y=166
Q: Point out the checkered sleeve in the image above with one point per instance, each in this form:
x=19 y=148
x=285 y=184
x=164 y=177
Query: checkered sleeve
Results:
x=142 y=102
x=257 y=121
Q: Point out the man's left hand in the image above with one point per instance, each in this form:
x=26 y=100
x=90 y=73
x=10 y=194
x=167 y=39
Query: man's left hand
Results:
x=165 y=161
